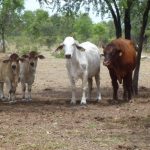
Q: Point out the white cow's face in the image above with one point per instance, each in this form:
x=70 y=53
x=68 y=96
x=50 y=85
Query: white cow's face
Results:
x=69 y=47
x=69 y=50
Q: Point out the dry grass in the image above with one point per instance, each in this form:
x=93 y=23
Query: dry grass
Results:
x=50 y=123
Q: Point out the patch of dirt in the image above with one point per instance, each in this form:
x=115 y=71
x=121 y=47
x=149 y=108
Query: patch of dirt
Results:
x=49 y=122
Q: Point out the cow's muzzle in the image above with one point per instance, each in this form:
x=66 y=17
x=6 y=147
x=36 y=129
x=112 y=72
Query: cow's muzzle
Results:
x=32 y=64
x=106 y=63
x=68 y=56
x=13 y=67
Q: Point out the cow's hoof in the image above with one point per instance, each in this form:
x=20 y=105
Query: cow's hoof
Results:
x=4 y=99
x=83 y=102
x=29 y=99
x=98 y=99
x=132 y=100
x=24 y=99
x=73 y=103
x=12 y=102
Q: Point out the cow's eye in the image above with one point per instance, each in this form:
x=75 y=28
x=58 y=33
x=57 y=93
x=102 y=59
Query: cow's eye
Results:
x=113 y=53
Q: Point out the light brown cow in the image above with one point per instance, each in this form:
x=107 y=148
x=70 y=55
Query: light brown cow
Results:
x=9 y=74
x=27 y=72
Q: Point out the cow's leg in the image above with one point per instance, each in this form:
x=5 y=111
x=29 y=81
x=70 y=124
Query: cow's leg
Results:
x=23 y=90
x=114 y=84
x=1 y=91
x=124 y=89
x=13 y=92
x=11 y=96
x=90 y=80
x=132 y=91
x=29 y=92
x=84 y=88
x=97 y=79
x=129 y=85
x=73 y=90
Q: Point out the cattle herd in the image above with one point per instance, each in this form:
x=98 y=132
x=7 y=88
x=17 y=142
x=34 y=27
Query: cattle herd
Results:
x=82 y=62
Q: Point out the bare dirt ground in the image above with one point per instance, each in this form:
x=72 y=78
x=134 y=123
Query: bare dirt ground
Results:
x=50 y=123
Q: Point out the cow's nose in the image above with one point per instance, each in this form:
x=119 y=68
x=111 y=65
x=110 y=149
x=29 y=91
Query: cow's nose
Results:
x=68 y=56
x=106 y=63
x=32 y=64
x=13 y=67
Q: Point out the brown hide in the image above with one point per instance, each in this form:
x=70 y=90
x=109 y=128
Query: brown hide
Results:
x=120 y=58
x=126 y=63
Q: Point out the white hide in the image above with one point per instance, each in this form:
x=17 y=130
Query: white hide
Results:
x=84 y=65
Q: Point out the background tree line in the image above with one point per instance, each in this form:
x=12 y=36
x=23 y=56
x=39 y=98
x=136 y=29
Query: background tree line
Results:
x=38 y=26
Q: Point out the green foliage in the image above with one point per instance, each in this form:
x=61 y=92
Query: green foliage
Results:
x=24 y=50
x=83 y=27
x=37 y=28
x=8 y=9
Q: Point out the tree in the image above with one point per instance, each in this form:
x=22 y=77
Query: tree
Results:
x=83 y=27
x=118 y=9
x=141 y=40
x=102 y=32
x=7 y=10
x=127 y=21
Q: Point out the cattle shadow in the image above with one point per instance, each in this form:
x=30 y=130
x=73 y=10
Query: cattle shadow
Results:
x=55 y=100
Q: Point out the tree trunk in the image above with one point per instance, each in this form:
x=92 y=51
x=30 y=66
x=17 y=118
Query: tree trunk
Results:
x=116 y=18
x=3 y=39
x=141 y=40
x=127 y=22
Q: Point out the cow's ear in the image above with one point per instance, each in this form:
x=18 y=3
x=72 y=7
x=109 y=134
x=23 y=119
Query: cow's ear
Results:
x=80 y=47
x=59 y=47
x=103 y=46
x=120 y=53
x=21 y=59
x=41 y=56
x=101 y=55
x=6 y=60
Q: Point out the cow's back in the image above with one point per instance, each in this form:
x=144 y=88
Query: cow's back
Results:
x=128 y=59
x=93 y=58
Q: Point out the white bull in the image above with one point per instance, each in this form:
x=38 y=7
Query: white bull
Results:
x=82 y=61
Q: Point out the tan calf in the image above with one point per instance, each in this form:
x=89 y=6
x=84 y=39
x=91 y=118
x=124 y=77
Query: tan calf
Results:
x=9 y=74
x=27 y=72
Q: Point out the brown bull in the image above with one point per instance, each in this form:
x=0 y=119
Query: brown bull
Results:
x=120 y=59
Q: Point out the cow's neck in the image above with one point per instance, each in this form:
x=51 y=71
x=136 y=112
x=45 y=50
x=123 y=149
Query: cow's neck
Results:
x=32 y=71
x=76 y=56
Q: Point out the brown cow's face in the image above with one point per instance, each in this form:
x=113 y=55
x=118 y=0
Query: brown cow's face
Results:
x=32 y=59
x=14 y=62
x=111 y=55
x=33 y=62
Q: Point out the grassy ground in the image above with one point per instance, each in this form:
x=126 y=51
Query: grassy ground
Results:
x=50 y=123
